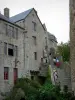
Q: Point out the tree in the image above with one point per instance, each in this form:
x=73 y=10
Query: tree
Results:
x=64 y=50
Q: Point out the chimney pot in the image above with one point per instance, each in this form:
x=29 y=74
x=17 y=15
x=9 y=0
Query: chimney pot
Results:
x=6 y=12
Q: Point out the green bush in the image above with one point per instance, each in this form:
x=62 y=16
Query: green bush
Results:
x=30 y=90
x=29 y=87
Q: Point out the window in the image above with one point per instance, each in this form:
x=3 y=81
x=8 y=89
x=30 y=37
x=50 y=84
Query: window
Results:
x=5 y=48
x=15 y=51
x=35 y=55
x=16 y=33
x=11 y=31
x=6 y=73
x=6 y=28
x=10 y=50
x=46 y=60
x=34 y=39
x=34 y=26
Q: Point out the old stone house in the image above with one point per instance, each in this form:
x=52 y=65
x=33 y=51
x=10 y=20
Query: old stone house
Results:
x=11 y=52
x=36 y=40
x=24 y=45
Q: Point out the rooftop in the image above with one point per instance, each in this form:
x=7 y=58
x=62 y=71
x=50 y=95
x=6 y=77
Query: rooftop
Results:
x=2 y=17
x=20 y=16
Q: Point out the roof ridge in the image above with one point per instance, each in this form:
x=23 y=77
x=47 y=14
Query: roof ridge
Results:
x=21 y=15
x=20 y=12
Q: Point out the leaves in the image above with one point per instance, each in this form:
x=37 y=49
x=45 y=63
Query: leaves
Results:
x=64 y=51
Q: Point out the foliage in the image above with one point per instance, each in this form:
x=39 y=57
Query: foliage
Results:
x=64 y=50
x=29 y=87
x=31 y=90
x=65 y=89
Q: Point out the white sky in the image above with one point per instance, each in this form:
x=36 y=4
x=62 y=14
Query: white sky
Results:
x=54 y=13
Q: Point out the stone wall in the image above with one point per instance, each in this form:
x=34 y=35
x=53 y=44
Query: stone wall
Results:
x=72 y=42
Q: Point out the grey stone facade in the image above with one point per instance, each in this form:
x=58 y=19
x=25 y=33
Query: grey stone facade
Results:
x=23 y=45
x=43 y=39
x=11 y=50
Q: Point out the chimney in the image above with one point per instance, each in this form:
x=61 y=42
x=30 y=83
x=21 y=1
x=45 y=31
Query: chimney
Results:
x=6 y=12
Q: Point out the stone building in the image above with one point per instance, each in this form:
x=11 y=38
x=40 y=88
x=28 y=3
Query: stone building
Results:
x=24 y=45
x=37 y=40
x=72 y=42
x=11 y=52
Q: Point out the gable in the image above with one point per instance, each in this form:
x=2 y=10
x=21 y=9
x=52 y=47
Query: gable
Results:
x=34 y=14
x=24 y=15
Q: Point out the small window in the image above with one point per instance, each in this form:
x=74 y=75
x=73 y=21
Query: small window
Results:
x=6 y=73
x=34 y=26
x=46 y=61
x=16 y=33
x=6 y=28
x=5 y=48
x=34 y=40
x=35 y=55
x=12 y=32
x=10 y=50
x=9 y=31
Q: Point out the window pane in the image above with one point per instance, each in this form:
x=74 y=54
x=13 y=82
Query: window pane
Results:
x=34 y=26
x=35 y=55
x=6 y=73
x=10 y=50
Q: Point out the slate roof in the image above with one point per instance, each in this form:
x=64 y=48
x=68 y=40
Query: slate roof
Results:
x=5 y=18
x=2 y=17
x=20 y=16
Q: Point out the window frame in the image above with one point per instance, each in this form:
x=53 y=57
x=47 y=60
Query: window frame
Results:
x=10 y=46
x=34 y=40
x=35 y=55
x=34 y=25
x=6 y=73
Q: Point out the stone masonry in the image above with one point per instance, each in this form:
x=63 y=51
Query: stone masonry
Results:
x=72 y=42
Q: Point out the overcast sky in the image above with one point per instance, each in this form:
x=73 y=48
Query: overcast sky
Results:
x=54 y=13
